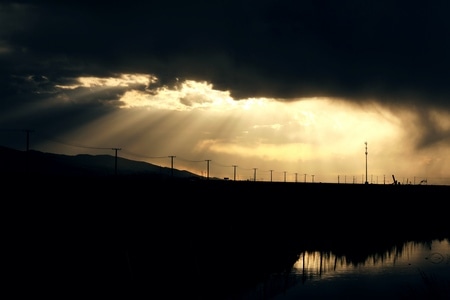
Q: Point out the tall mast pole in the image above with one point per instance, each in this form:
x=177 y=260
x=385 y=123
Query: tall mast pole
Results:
x=366 y=162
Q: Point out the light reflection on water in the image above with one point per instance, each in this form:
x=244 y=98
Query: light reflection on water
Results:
x=396 y=274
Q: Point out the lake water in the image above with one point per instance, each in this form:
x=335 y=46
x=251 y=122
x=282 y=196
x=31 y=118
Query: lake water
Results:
x=413 y=271
x=228 y=248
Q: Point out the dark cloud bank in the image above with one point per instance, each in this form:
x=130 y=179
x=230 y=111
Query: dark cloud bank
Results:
x=394 y=52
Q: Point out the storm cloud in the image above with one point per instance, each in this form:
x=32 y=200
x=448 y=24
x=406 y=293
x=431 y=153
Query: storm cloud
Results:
x=391 y=52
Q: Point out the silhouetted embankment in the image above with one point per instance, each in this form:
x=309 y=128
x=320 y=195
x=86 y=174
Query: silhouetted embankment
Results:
x=142 y=235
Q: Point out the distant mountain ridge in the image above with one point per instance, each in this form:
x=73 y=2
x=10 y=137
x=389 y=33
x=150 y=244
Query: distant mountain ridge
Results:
x=16 y=162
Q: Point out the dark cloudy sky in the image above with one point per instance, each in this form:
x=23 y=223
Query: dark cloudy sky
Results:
x=390 y=56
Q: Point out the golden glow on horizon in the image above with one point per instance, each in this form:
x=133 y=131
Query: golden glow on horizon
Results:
x=263 y=151
x=317 y=136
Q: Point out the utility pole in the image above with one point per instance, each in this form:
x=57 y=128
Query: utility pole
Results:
x=284 y=176
x=28 y=139
x=207 y=168
x=254 y=174
x=115 y=159
x=234 y=172
x=305 y=177
x=296 y=177
x=271 y=175
x=366 y=162
x=171 y=164
x=27 y=156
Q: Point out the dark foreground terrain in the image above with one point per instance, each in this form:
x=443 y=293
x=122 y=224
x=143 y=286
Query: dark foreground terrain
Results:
x=145 y=238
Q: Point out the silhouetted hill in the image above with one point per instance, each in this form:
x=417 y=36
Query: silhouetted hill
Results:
x=32 y=162
x=118 y=235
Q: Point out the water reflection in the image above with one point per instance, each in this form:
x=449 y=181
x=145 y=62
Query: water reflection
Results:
x=143 y=247
x=414 y=270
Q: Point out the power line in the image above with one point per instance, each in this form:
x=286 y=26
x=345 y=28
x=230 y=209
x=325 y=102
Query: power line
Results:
x=71 y=144
x=143 y=156
x=425 y=179
x=188 y=160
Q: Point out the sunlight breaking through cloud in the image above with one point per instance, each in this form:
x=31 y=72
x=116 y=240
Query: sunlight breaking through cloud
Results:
x=192 y=119
x=123 y=80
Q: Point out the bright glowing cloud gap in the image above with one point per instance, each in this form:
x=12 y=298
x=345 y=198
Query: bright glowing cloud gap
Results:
x=196 y=121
